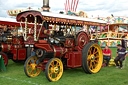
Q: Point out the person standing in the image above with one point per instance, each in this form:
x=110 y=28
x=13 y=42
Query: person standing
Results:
x=106 y=55
x=124 y=42
x=121 y=55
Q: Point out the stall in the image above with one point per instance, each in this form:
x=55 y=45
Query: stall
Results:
x=112 y=34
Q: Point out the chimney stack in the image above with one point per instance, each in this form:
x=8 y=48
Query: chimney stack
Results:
x=45 y=7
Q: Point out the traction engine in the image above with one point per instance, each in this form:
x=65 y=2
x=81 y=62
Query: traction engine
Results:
x=12 y=47
x=53 y=51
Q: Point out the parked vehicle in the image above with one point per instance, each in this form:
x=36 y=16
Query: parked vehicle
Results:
x=61 y=46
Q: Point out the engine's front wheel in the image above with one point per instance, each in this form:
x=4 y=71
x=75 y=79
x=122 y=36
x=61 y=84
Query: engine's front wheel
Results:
x=30 y=67
x=54 y=69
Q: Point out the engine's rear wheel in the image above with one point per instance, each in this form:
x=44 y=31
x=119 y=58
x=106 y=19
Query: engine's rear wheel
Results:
x=82 y=39
x=54 y=69
x=5 y=58
x=92 y=58
x=30 y=67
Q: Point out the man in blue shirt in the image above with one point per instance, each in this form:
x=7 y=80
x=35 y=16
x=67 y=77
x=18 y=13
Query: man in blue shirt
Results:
x=121 y=55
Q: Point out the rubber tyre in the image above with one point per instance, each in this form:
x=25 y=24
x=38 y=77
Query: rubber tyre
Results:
x=84 y=48
x=85 y=57
x=25 y=65
x=47 y=66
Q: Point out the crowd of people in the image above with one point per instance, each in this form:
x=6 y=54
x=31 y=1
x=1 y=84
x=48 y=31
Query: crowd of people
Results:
x=120 y=55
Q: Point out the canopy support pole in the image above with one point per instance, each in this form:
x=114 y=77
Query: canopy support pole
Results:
x=96 y=31
x=25 y=36
x=40 y=30
x=35 y=29
x=88 y=26
x=22 y=29
x=75 y=31
x=108 y=35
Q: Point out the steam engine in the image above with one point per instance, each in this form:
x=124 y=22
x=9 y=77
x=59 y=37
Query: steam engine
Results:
x=12 y=46
x=53 y=49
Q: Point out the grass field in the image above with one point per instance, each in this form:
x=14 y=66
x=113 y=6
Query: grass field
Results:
x=107 y=76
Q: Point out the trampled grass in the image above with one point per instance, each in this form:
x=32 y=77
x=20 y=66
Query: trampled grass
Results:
x=107 y=76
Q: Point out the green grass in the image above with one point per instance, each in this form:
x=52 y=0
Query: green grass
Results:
x=107 y=76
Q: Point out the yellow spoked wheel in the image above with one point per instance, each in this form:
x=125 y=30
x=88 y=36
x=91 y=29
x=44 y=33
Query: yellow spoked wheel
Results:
x=30 y=67
x=54 y=69
x=92 y=58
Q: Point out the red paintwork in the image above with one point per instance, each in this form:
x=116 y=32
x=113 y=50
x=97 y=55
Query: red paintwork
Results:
x=78 y=48
x=43 y=41
x=41 y=33
x=66 y=55
x=82 y=36
x=46 y=47
x=6 y=47
x=18 y=40
x=21 y=16
x=59 y=51
x=70 y=42
x=22 y=54
x=30 y=40
x=42 y=66
x=16 y=48
x=74 y=59
x=16 y=43
x=4 y=58
x=19 y=54
x=14 y=52
x=45 y=60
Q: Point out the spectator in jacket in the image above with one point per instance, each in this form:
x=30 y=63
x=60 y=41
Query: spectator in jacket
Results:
x=121 y=55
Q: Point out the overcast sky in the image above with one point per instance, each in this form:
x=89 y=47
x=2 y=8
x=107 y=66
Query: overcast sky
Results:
x=103 y=8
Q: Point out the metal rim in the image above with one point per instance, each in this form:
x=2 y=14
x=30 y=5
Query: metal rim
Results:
x=94 y=58
x=55 y=69
x=31 y=67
